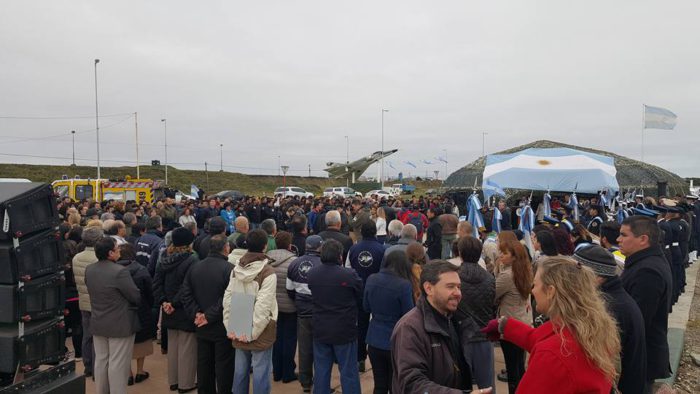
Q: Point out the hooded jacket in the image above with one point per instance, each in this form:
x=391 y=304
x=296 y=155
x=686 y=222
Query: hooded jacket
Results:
x=243 y=281
x=167 y=287
x=280 y=260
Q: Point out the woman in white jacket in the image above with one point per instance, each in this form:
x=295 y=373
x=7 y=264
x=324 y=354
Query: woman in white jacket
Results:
x=253 y=275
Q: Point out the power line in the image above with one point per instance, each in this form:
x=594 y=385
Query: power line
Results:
x=59 y=117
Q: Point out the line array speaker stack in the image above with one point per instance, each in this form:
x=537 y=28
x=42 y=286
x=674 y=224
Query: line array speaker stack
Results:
x=32 y=286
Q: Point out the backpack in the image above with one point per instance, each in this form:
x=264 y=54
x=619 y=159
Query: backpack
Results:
x=415 y=219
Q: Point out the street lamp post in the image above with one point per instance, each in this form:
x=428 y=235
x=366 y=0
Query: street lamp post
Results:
x=381 y=168
x=221 y=148
x=72 y=132
x=284 y=171
x=165 y=134
x=97 y=122
x=347 y=160
x=483 y=144
x=445 y=157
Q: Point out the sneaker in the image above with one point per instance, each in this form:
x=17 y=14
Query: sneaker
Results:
x=503 y=377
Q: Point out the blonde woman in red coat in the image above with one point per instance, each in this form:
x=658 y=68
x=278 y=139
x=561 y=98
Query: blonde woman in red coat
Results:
x=578 y=349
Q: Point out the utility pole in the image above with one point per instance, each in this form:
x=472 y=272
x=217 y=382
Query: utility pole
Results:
x=381 y=168
x=206 y=172
x=221 y=147
x=73 y=134
x=309 y=170
x=136 y=127
x=165 y=130
x=97 y=122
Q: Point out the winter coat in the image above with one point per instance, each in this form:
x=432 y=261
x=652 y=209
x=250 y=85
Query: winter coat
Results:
x=425 y=355
x=387 y=297
x=629 y=319
x=647 y=279
x=280 y=260
x=433 y=240
x=361 y=217
x=509 y=302
x=365 y=257
x=114 y=300
x=146 y=245
x=203 y=292
x=478 y=293
x=236 y=255
x=145 y=284
x=557 y=363
x=449 y=223
x=297 y=284
x=243 y=281
x=336 y=293
x=80 y=263
x=340 y=237
x=167 y=285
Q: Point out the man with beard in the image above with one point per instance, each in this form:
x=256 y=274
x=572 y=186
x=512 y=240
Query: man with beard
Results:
x=425 y=346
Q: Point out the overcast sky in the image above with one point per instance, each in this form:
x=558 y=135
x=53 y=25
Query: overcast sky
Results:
x=293 y=78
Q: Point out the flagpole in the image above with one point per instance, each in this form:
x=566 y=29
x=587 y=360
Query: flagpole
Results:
x=644 y=122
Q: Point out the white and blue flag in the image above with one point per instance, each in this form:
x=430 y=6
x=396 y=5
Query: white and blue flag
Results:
x=194 y=192
x=474 y=214
x=497 y=217
x=659 y=118
x=546 y=201
x=573 y=204
x=410 y=164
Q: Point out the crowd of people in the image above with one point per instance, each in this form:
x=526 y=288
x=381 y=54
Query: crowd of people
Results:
x=401 y=281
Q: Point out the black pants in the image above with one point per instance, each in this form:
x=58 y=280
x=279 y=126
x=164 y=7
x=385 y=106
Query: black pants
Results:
x=363 y=326
x=515 y=364
x=306 y=351
x=381 y=369
x=215 y=365
x=74 y=322
x=285 y=348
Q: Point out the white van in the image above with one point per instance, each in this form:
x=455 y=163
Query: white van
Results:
x=292 y=191
x=341 y=191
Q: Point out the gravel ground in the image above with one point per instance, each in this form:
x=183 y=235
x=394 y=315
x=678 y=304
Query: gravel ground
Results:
x=688 y=379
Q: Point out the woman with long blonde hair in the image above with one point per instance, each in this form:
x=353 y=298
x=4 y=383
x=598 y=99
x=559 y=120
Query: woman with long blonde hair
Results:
x=578 y=349
x=513 y=284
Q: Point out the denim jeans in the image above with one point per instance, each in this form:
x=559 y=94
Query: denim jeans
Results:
x=346 y=355
x=262 y=369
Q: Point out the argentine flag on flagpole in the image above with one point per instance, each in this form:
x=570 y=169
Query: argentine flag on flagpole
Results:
x=659 y=118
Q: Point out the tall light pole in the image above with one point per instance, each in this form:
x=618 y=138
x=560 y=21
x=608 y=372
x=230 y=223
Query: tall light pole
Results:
x=279 y=163
x=381 y=168
x=483 y=144
x=347 y=160
x=136 y=130
x=165 y=134
x=72 y=132
x=221 y=148
x=445 y=157
x=97 y=122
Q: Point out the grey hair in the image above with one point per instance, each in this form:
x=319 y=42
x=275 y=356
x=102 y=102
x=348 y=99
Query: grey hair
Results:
x=409 y=231
x=129 y=218
x=333 y=218
x=395 y=227
x=91 y=235
x=269 y=226
x=107 y=216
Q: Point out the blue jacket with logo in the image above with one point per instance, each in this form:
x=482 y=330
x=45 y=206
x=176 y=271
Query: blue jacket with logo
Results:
x=365 y=257
x=297 y=282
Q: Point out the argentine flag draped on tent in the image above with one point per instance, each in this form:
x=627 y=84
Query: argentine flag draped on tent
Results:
x=474 y=214
x=558 y=169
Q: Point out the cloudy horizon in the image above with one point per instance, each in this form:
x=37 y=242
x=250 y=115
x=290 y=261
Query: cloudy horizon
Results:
x=284 y=82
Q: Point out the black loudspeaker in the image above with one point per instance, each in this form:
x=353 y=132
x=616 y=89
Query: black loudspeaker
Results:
x=42 y=343
x=26 y=208
x=37 y=299
x=36 y=255
x=662 y=188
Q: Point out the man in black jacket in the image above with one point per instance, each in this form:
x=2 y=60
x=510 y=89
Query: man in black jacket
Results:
x=433 y=240
x=332 y=231
x=626 y=313
x=203 y=292
x=475 y=309
x=336 y=292
x=647 y=279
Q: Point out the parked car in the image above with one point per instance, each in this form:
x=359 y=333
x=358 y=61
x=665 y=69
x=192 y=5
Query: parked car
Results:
x=341 y=191
x=234 y=195
x=292 y=191
x=379 y=193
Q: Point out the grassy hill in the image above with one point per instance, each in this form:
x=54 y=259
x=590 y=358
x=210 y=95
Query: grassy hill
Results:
x=210 y=182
